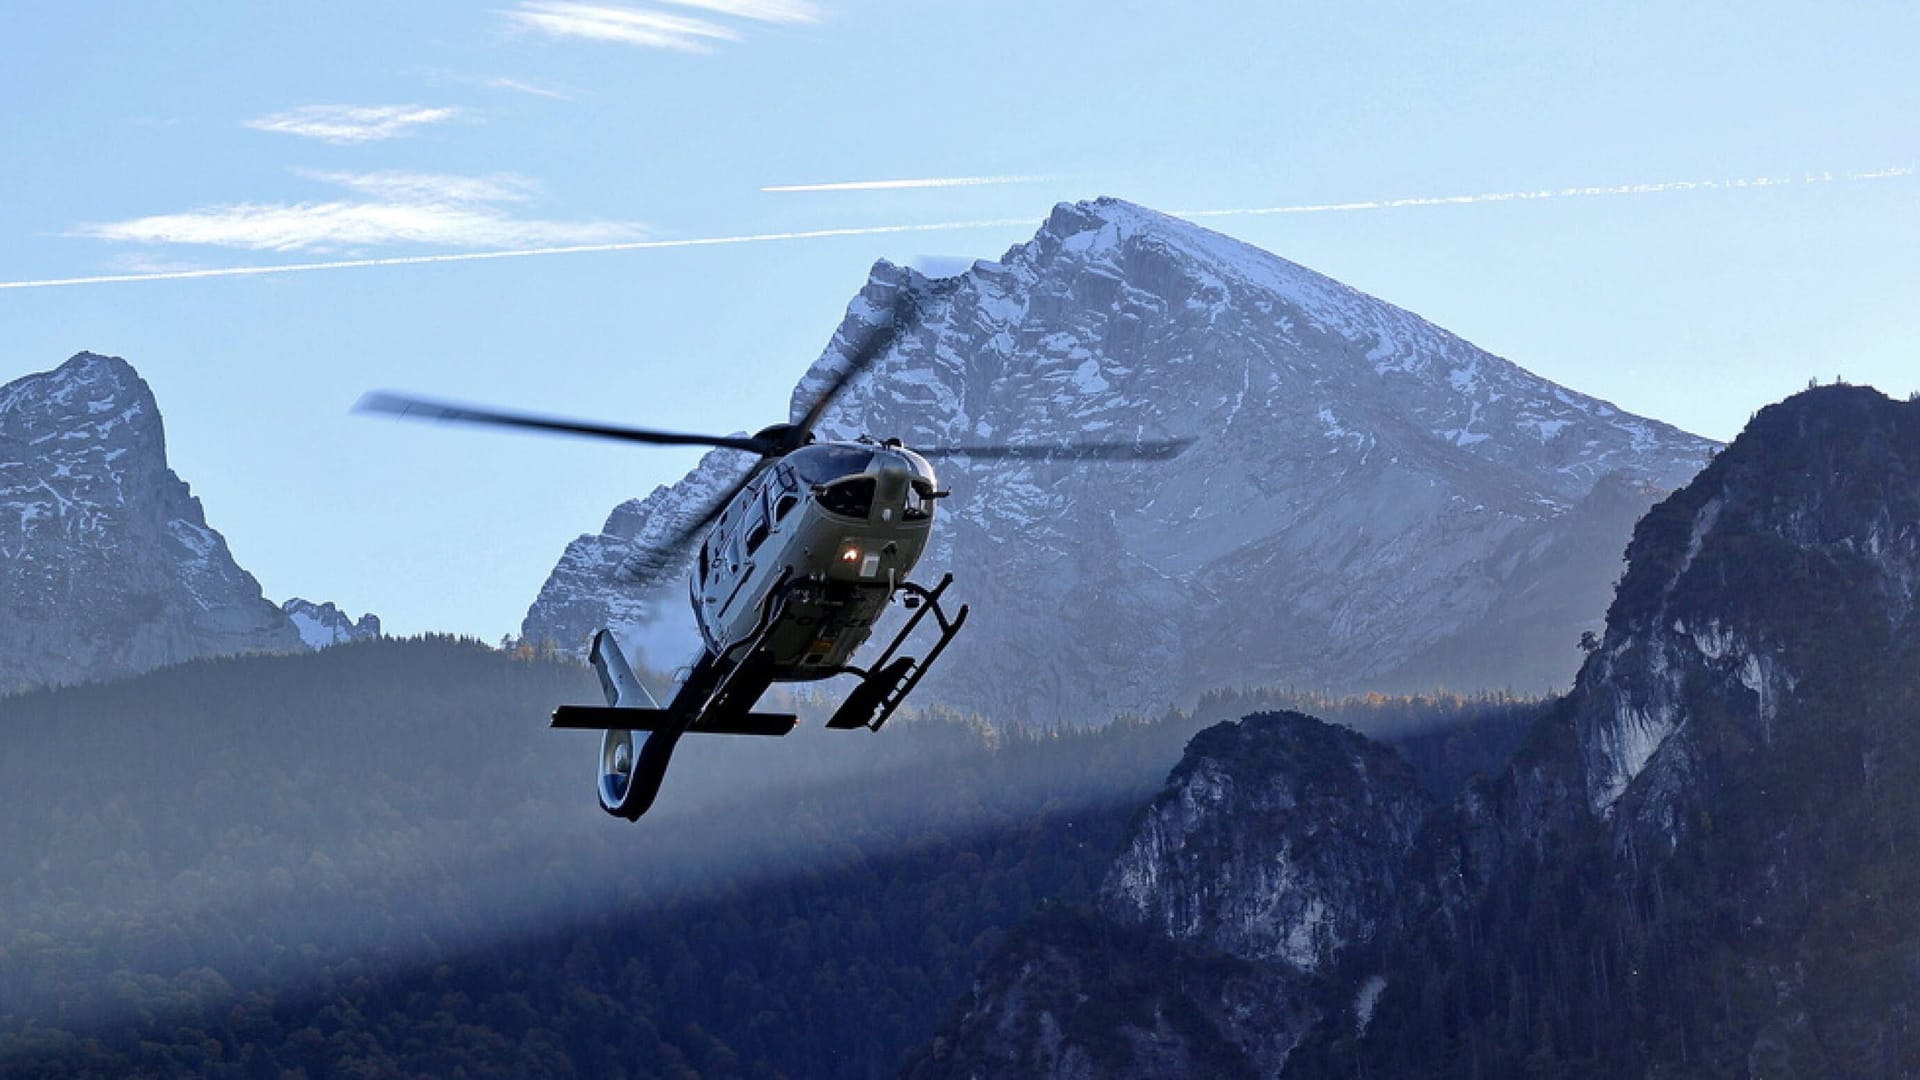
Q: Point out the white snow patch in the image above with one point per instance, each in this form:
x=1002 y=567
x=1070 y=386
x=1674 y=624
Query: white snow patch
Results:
x=1086 y=378
x=998 y=309
x=316 y=633
x=1466 y=379
x=1365 y=1000
x=196 y=539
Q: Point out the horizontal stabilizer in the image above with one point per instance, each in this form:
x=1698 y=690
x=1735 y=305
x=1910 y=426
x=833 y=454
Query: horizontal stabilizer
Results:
x=608 y=718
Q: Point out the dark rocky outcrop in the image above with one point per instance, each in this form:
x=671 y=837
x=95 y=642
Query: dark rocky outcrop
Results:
x=1699 y=863
x=1278 y=845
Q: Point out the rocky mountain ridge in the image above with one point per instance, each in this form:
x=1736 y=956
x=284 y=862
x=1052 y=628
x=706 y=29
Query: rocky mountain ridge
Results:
x=324 y=625
x=107 y=563
x=1369 y=500
x=1693 y=866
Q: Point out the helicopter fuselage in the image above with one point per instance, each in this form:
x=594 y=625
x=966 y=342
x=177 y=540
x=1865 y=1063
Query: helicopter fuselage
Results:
x=786 y=586
x=804 y=560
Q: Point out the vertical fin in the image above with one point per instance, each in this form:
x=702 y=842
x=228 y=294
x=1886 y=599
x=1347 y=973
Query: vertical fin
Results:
x=616 y=677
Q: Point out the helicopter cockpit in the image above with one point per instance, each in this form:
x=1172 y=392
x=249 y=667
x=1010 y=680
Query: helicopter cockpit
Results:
x=846 y=477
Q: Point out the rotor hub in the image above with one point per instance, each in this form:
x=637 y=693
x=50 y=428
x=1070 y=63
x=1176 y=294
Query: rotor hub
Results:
x=779 y=440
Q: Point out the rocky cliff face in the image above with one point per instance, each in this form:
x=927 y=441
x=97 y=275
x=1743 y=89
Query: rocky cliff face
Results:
x=1367 y=493
x=1278 y=838
x=1695 y=866
x=107 y=564
x=1698 y=863
x=323 y=625
x=1278 y=846
x=1799 y=551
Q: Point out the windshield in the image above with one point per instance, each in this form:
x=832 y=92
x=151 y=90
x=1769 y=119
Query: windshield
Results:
x=851 y=498
x=823 y=463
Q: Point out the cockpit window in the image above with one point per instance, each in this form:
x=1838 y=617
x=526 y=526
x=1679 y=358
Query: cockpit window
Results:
x=852 y=497
x=919 y=501
x=823 y=463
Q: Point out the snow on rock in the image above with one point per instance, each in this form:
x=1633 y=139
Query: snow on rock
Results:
x=1365 y=1000
x=107 y=563
x=1366 y=503
x=323 y=625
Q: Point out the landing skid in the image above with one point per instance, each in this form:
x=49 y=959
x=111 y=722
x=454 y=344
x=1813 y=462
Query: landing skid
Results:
x=888 y=682
x=717 y=693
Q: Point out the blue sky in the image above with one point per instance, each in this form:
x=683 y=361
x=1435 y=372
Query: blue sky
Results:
x=148 y=139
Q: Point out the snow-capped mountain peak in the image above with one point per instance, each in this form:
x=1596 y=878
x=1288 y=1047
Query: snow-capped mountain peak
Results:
x=107 y=563
x=1363 y=487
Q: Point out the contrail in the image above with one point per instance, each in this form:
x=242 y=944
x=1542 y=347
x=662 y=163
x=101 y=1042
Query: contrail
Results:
x=894 y=185
x=1550 y=193
x=1898 y=172
x=517 y=253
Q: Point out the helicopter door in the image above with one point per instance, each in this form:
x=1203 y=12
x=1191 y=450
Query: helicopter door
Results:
x=755 y=532
x=739 y=548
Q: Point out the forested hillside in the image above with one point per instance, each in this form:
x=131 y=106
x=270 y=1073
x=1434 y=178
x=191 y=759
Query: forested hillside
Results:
x=377 y=859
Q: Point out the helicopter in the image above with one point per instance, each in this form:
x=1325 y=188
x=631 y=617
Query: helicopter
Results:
x=792 y=568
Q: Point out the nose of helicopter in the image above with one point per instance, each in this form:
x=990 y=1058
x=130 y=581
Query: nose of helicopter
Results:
x=890 y=490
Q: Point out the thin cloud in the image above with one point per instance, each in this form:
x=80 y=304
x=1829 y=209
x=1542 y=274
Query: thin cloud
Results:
x=396 y=185
x=894 y=185
x=519 y=87
x=397 y=208
x=348 y=124
x=774 y=11
x=134 y=262
x=622 y=25
x=943 y=226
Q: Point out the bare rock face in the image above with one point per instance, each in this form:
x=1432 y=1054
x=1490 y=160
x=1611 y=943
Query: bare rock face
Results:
x=1765 y=583
x=107 y=564
x=1369 y=502
x=1279 y=838
x=1278 y=847
x=1706 y=843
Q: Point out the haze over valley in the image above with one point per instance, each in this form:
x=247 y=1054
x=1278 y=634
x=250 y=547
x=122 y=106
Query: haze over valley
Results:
x=1409 y=519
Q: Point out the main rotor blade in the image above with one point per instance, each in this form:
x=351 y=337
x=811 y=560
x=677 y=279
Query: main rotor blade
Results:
x=644 y=568
x=863 y=356
x=412 y=408
x=1151 y=450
